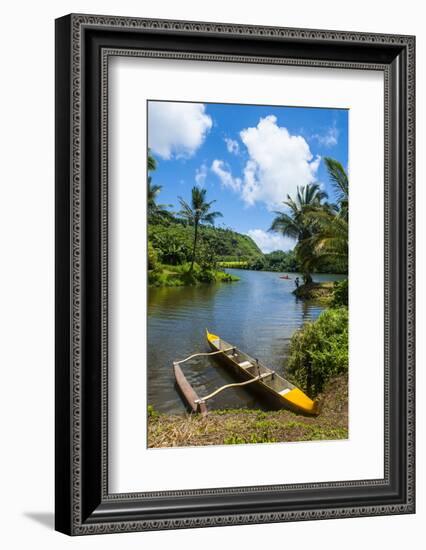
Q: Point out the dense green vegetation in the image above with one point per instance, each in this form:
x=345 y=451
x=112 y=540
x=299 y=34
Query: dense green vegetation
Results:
x=195 y=213
x=184 y=275
x=340 y=293
x=173 y=242
x=185 y=248
x=276 y=261
x=319 y=351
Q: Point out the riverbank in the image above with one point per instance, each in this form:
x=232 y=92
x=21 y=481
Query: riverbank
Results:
x=238 y=426
x=316 y=291
x=182 y=275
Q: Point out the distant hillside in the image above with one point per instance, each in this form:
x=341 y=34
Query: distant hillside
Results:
x=173 y=242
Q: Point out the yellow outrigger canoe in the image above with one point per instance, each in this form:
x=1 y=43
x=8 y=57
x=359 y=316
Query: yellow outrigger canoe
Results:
x=272 y=385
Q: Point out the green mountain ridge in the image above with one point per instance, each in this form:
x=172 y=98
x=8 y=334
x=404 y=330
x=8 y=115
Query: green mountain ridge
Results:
x=173 y=243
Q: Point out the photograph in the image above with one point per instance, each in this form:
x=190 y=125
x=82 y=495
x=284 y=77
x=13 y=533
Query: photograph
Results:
x=247 y=273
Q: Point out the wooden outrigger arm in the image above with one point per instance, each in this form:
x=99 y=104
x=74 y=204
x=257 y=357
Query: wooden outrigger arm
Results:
x=256 y=379
x=198 y=355
x=196 y=403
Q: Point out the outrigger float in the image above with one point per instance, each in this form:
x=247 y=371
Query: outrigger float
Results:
x=276 y=389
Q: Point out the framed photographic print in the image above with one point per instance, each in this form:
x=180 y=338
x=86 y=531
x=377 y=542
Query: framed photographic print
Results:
x=234 y=274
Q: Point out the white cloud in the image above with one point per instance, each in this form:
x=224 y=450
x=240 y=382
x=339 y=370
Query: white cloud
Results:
x=219 y=168
x=330 y=138
x=232 y=146
x=278 y=163
x=268 y=242
x=176 y=129
x=201 y=175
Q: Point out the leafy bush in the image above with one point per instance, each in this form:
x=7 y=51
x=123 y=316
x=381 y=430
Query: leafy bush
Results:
x=259 y=264
x=152 y=256
x=206 y=257
x=319 y=351
x=340 y=293
x=276 y=261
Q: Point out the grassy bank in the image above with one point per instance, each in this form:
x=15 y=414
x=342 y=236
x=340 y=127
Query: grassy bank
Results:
x=322 y=292
x=234 y=265
x=328 y=292
x=181 y=275
x=230 y=427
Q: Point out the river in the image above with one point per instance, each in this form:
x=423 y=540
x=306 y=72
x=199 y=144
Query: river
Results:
x=258 y=314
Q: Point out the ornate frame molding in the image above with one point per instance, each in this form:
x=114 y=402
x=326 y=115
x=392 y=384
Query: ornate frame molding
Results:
x=75 y=502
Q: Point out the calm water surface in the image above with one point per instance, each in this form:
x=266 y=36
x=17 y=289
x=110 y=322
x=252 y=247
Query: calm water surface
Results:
x=258 y=314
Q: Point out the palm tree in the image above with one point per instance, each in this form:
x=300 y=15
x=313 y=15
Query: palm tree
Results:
x=296 y=223
x=153 y=192
x=151 y=162
x=340 y=182
x=156 y=212
x=329 y=241
x=197 y=213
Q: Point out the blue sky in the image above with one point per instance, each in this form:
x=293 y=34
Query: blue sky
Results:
x=247 y=157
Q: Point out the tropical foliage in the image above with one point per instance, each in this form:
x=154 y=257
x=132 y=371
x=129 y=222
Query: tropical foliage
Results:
x=340 y=293
x=188 y=236
x=197 y=212
x=319 y=227
x=276 y=261
x=296 y=223
x=173 y=243
x=319 y=351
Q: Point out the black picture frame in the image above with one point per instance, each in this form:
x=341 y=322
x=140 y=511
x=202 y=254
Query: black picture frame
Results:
x=83 y=504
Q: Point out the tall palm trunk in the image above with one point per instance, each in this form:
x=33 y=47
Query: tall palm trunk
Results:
x=307 y=278
x=195 y=245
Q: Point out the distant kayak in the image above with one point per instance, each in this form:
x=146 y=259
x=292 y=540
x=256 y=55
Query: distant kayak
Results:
x=284 y=277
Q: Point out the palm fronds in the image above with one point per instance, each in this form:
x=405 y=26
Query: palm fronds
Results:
x=196 y=213
x=320 y=228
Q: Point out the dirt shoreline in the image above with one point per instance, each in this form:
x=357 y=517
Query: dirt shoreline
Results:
x=239 y=426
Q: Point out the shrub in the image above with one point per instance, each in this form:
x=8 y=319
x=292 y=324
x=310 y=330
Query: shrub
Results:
x=258 y=264
x=152 y=256
x=340 y=293
x=319 y=351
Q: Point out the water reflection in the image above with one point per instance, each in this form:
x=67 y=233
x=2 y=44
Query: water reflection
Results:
x=258 y=314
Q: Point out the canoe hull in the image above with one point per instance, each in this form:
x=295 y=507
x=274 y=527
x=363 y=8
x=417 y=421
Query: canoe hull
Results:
x=274 y=399
x=187 y=392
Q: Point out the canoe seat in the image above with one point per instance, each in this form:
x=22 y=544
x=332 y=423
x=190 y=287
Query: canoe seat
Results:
x=245 y=364
x=284 y=391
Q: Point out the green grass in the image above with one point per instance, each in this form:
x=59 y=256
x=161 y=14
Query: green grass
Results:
x=181 y=275
x=245 y=426
x=234 y=265
x=254 y=438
